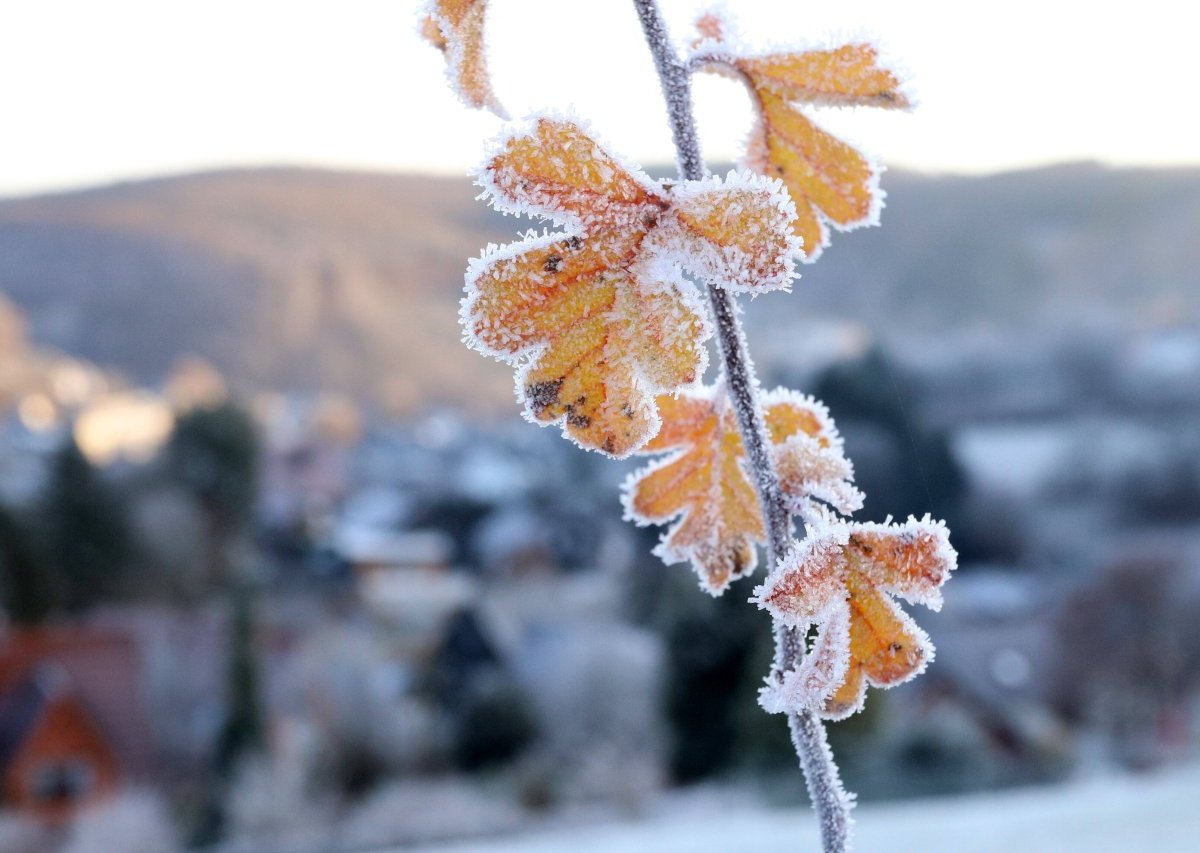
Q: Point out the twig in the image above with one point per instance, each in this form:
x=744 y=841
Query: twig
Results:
x=830 y=801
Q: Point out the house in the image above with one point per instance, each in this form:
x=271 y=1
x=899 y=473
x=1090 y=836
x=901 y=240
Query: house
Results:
x=54 y=757
x=72 y=722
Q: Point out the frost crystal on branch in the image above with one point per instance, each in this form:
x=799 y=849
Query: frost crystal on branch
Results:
x=842 y=578
x=598 y=319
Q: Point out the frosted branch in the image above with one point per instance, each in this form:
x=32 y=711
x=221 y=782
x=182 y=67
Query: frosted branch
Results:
x=830 y=801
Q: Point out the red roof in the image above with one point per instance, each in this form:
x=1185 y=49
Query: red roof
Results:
x=105 y=673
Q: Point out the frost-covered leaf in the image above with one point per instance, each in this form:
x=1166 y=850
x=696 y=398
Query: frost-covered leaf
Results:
x=455 y=27
x=831 y=182
x=553 y=169
x=593 y=334
x=808 y=456
x=738 y=232
x=703 y=483
x=735 y=231
x=597 y=319
x=842 y=578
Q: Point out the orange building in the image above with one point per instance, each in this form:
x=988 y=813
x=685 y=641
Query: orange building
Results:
x=71 y=729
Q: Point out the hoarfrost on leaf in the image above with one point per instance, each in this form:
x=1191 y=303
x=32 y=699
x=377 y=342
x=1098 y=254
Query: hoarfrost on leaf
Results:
x=703 y=485
x=842 y=579
x=597 y=319
x=831 y=182
x=455 y=27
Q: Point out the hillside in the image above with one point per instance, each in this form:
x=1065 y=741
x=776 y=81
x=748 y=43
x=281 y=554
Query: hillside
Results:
x=303 y=279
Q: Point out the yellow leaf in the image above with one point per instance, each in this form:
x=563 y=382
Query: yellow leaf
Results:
x=831 y=182
x=842 y=578
x=846 y=76
x=455 y=27
x=595 y=323
x=737 y=231
x=555 y=170
x=703 y=484
x=598 y=336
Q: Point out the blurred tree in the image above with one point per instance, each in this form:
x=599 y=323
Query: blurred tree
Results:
x=85 y=525
x=30 y=588
x=1128 y=656
x=213 y=454
x=902 y=465
x=918 y=472
x=244 y=730
x=709 y=648
x=494 y=725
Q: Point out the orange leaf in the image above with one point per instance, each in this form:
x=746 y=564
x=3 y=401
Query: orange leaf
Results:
x=703 y=484
x=737 y=232
x=842 y=578
x=455 y=27
x=831 y=182
x=555 y=170
x=846 y=76
x=598 y=321
x=594 y=335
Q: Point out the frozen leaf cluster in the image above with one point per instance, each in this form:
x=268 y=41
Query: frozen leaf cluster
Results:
x=598 y=318
x=607 y=334
x=831 y=182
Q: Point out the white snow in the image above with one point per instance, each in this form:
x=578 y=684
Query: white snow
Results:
x=1134 y=814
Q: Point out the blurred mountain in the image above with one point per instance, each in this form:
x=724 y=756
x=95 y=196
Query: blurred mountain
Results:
x=281 y=278
x=1044 y=249
x=306 y=279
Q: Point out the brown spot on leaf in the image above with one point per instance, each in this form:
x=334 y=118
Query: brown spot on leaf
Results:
x=543 y=395
x=553 y=263
x=575 y=417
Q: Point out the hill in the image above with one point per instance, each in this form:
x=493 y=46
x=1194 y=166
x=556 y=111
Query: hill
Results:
x=308 y=279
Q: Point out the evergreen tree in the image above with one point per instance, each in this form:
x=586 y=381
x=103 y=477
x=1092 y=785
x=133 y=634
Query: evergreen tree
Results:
x=88 y=539
x=243 y=731
x=213 y=454
x=31 y=589
x=914 y=471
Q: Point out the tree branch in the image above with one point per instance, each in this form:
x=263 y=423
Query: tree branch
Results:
x=830 y=801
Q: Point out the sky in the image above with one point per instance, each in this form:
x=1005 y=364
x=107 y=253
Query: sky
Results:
x=93 y=92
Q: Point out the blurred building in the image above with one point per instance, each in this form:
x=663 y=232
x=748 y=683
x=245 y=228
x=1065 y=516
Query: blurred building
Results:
x=72 y=725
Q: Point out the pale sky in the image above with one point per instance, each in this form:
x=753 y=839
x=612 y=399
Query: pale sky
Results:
x=98 y=90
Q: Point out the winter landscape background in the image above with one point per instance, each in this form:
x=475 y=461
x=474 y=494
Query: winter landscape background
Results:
x=283 y=570
x=285 y=546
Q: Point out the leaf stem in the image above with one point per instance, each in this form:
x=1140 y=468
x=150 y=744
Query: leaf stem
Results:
x=830 y=801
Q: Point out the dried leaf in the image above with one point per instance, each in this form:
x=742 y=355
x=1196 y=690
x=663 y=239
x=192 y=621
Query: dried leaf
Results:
x=455 y=27
x=831 y=182
x=842 y=578
x=598 y=320
x=704 y=485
